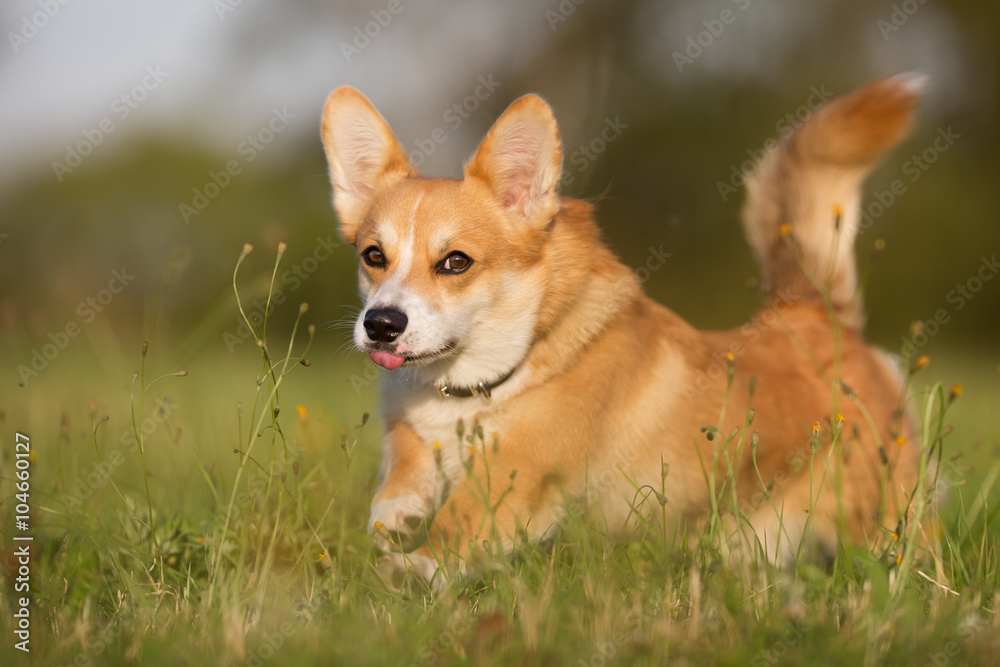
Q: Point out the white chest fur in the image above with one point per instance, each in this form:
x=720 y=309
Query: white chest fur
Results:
x=457 y=424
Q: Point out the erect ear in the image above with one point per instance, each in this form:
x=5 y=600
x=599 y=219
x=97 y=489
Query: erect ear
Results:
x=363 y=155
x=521 y=160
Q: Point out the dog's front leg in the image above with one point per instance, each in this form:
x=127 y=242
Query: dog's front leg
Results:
x=487 y=511
x=409 y=493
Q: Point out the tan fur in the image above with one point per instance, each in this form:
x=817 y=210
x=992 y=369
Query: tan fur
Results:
x=815 y=169
x=607 y=383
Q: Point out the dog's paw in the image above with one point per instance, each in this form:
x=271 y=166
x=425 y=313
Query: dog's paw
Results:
x=393 y=568
x=398 y=524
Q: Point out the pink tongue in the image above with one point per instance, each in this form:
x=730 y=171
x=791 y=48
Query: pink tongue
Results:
x=387 y=360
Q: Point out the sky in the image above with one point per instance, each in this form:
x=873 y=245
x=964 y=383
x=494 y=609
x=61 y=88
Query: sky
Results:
x=223 y=66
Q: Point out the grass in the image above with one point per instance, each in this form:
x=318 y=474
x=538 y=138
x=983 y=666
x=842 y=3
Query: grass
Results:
x=215 y=514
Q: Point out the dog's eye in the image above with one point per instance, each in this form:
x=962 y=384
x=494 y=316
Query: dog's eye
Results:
x=373 y=257
x=456 y=262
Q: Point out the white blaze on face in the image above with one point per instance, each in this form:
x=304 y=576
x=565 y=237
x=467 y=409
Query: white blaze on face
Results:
x=395 y=293
x=485 y=328
x=389 y=293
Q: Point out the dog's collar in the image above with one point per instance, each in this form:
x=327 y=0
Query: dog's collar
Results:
x=482 y=389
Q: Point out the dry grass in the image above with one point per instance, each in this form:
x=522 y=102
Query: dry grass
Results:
x=225 y=525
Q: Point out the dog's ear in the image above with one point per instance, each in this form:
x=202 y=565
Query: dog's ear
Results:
x=521 y=161
x=363 y=155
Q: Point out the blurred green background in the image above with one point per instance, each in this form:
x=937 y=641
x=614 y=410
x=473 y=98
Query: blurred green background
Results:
x=117 y=116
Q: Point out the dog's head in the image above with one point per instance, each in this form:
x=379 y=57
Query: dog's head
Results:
x=450 y=270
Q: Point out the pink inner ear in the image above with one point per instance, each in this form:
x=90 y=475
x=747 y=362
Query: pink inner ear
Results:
x=518 y=186
x=517 y=160
x=515 y=194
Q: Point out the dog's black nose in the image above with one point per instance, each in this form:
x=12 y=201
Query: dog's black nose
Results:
x=383 y=325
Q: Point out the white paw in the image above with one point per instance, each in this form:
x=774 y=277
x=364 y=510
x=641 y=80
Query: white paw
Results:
x=394 y=566
x=403 y=523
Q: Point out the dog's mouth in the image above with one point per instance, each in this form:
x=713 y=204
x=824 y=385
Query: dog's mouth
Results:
x=390 y=360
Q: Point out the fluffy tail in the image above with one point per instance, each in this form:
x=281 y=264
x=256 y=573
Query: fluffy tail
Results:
x=799 y=190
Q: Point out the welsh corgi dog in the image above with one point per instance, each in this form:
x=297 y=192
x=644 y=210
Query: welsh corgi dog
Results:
x=529 y=374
